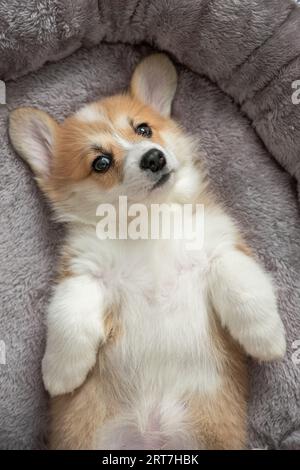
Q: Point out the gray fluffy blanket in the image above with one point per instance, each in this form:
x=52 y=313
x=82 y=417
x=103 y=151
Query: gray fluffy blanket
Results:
x=237 y=61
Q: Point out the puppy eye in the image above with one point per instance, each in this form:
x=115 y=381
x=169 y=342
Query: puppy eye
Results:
x=102 y=163
x=144 y=130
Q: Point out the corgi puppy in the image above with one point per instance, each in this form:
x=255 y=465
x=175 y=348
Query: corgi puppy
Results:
x=146 y=338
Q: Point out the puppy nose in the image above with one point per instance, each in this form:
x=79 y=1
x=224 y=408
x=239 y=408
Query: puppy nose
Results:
x=153 y=160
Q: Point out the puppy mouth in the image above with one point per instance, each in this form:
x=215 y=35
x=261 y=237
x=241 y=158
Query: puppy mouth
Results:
x=162 y=180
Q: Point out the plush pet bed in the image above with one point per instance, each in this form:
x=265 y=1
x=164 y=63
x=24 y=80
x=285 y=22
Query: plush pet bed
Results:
x=237 y=61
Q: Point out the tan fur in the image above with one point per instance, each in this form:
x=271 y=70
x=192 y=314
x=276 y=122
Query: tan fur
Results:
x=64 y=270
x=75 y=417
x=79 y=143
x=241 y=246
x=219 y=420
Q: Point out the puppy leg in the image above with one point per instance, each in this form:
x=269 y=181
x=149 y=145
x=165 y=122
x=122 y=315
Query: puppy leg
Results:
x=75 y=330
x=243 y=297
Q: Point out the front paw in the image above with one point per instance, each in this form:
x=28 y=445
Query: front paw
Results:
x=64 y=372
x=264 y=342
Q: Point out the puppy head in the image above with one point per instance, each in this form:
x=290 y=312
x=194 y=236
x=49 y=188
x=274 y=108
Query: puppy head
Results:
x=125 y=145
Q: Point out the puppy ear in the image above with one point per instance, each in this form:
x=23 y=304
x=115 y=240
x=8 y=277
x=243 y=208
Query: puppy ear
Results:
x=154 y=82
x=32 y=133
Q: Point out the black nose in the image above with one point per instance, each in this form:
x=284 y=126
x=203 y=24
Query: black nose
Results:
x=153 y=160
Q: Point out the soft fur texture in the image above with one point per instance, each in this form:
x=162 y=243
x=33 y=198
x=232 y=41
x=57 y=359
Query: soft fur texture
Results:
x=164 y=317
x=232 y=44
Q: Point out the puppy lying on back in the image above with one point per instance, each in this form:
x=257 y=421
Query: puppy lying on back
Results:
x=147 y=338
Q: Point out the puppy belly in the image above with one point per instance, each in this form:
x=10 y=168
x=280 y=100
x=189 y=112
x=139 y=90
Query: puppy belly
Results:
x=169 y=380
x=162 y=425
x=164 y=356
x=105 y=414
x=202 y=422
x=173 y=397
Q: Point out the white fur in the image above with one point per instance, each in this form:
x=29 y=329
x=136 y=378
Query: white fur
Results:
x=91 y=113
x=244 y=298
x=75 y=330
x=121 y=121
